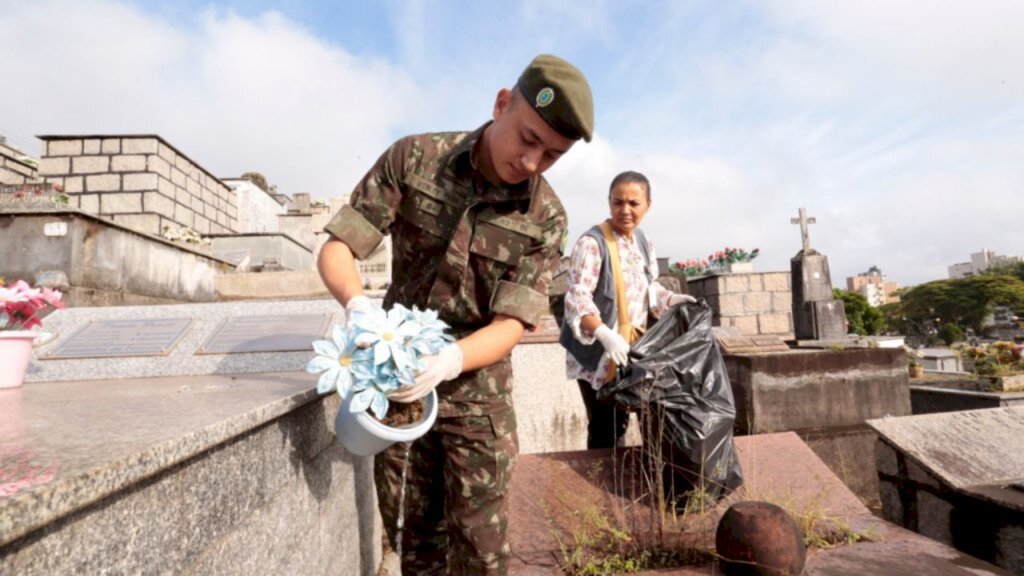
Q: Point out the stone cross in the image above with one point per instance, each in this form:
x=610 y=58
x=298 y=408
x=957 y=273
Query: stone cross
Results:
x=804 y=221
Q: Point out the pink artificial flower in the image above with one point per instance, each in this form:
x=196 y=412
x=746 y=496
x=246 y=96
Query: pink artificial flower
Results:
x=52 y=297
x=11 y=295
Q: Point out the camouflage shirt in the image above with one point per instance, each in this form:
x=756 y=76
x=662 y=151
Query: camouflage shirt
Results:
x=461 y=245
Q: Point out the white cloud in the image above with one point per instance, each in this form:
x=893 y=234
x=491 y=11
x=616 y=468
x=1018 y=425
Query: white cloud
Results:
x=899 y=125
x=951 y=52
x=233 y=93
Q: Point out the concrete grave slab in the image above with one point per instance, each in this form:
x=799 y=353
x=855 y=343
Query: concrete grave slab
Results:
x=961 y=448
x=752 y=345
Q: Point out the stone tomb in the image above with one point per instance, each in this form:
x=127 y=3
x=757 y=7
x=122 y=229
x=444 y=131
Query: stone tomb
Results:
x=558 y=496
x=952 y=394
x=825 y=396
x=958 y=478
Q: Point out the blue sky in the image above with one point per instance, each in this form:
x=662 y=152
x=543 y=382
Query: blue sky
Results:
x=898 y=124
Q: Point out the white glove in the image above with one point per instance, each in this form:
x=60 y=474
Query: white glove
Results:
x=680 y=299
x=614 y=344
x=443 y=366
x=359 y=303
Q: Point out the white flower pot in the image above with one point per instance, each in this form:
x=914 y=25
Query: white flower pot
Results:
x=15 y=352
x=364 y=435
x=741 y=267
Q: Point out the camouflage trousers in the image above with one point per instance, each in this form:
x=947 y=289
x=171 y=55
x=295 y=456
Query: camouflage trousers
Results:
x=456 y=500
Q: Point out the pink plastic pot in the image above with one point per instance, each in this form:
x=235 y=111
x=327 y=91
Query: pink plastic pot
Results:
x=15 y=352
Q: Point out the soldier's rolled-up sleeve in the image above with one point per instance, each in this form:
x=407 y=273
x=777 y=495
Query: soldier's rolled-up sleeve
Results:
x=523 y=293
x=371 y=210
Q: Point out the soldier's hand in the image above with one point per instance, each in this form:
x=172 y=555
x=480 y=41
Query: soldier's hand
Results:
x=355 y=304
x=443 y=366
x=614 y=344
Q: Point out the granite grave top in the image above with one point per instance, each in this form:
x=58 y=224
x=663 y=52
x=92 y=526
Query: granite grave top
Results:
x=65 y=445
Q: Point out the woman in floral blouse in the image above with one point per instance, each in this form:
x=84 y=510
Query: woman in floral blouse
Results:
x=594 y=341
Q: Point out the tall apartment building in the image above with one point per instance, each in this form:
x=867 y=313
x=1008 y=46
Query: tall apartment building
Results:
x=873 y=287
x=980 y=261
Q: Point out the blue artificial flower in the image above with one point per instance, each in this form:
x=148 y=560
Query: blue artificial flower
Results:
x=387 y=334
x=430 y=337
x=377 y=354
x=341 y=362
x=373 y=394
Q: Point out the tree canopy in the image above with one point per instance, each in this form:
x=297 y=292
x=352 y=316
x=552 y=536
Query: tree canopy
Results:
x=1015 y=269
x=863 y=318
x=963 y=301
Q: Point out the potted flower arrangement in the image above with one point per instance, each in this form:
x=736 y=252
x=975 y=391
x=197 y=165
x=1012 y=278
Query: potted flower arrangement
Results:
x=1000 y=364
x=377 y=353
x=21 y=309
x=725 y=260
x=690 y=268
x=915 y=368
x=734 y=259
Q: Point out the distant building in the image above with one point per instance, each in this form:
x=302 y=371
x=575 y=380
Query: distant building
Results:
x=873 y=287
x=980 y=261
x=376 y=268
x=258 y=208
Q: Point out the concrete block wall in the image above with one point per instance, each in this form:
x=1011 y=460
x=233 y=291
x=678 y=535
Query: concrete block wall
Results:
x=13 y=169
x=754 y=303
x=141 y=182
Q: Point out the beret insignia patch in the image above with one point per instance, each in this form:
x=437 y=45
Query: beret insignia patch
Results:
x=545 y=96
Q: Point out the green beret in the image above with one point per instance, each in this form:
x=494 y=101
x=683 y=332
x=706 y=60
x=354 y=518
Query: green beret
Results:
x=558 y=92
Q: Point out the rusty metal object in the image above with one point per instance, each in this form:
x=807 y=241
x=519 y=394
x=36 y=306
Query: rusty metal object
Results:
x=759 y=539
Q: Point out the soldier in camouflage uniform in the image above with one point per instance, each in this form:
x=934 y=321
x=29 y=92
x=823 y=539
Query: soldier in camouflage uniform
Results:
x=477 y=235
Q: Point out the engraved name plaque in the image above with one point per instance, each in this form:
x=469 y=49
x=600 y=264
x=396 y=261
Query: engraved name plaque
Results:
x=118 y=338
x=280 y=333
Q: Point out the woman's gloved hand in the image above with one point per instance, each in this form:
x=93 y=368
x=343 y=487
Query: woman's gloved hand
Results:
x=443 y=366
x=680 y=299
x=614 y=344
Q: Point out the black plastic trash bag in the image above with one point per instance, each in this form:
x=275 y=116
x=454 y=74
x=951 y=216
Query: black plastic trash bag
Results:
x=676 y=380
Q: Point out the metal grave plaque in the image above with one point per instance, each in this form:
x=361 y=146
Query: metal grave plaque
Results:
x=280 y=333
x=118 y=338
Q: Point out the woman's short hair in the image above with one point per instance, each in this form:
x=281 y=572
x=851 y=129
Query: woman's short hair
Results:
x=631 y=177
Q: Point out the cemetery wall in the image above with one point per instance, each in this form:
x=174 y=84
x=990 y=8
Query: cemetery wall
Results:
x=753 y=303
x=269 y=249
x=825 y=396
x=14 y=171
x=139 y=181
x=104 y=263
x=279 y=285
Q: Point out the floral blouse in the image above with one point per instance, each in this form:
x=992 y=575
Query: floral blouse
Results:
x=641 y=290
